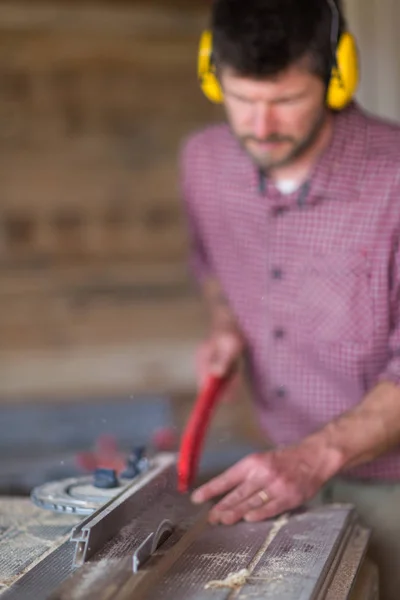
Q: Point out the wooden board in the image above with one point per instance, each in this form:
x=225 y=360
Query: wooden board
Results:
x=95 y=102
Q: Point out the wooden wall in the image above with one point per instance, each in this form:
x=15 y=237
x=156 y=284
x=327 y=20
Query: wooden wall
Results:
x=94 y=102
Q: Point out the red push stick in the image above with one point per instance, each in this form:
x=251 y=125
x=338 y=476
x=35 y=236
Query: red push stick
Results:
x=195 y=431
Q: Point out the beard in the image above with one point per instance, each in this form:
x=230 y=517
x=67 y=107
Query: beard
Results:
x=267 y=160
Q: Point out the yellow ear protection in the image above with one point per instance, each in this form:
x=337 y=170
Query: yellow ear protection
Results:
x=343 y=78
x=206 y=70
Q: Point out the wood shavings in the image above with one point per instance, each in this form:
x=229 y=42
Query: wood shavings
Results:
x=240 y=578
x=233 y=581
x=236 y=580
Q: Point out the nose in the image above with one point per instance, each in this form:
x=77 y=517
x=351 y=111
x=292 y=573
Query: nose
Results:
x=264 y=121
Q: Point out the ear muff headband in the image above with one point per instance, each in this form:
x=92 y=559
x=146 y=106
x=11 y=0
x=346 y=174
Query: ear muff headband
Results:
x=343 y=80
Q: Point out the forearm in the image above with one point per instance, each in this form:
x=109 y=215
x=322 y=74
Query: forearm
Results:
x=221 y=315
x=369 y=430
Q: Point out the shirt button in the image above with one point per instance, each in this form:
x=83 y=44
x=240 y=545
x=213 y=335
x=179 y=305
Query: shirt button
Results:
x=278 y=211
x=277 y=273
x=281 y=392
x=279 y=333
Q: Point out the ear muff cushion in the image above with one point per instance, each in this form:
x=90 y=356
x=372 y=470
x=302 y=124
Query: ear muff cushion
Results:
x=345 y=77
x=205 y=70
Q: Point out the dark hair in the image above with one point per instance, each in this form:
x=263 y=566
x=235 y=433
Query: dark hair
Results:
x=261 y=38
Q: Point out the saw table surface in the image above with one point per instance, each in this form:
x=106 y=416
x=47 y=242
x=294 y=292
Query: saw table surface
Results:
x=27 y=535
x=313 y=554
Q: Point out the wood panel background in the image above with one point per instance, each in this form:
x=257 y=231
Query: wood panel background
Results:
x=94 y=106
x=94 y=103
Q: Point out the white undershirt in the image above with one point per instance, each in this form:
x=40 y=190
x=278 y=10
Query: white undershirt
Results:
x=287 y=186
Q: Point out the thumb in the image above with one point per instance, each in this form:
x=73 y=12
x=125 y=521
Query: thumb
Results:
x=219 y=365
x=224 y=356
x=217 y=356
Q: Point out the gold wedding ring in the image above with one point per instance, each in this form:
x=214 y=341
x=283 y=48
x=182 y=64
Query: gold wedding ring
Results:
x=264 y=496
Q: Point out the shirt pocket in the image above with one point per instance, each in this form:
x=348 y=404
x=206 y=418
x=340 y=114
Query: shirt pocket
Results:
x=333 y=300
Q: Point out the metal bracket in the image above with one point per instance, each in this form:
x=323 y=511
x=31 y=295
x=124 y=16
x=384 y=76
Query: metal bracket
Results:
x=94 y=531
x=151 y=543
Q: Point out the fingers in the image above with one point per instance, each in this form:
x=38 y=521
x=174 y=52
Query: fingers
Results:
x=253 y=502
x=222 y=484
x=269 y=510
x=225 y=352
x=261 y=486
x=245 y=487
x=226 y=510
x=218 y=355
x=264 y=503
x=253 y=509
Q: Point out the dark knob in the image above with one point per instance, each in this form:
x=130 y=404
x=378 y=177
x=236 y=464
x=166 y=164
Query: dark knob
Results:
x=105 y=479
x=132 y=470
x=139 y=452
x=136 y=463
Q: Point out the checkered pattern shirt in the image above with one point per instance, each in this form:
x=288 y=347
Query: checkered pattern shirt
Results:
x=313 y=277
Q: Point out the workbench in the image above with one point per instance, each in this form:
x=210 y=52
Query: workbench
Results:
x=150 y=542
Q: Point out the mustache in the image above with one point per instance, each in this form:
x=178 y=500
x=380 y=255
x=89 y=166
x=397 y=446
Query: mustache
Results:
x=272 y=138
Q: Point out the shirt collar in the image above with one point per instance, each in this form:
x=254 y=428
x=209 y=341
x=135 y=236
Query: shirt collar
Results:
x=336 y=169
x=338 y=166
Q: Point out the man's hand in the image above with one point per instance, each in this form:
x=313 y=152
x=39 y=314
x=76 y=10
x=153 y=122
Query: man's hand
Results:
x=264 y=485
x=219 y=356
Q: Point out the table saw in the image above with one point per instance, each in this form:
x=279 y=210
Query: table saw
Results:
x=135 y=536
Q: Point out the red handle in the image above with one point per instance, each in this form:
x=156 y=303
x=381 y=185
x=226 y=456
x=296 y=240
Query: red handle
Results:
x=195 y=431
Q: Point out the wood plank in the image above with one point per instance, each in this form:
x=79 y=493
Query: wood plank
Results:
x=158 y=367
x=130 y=17
x=55 y=278
x=63 y=324
x=95 y=119
x=96 y=100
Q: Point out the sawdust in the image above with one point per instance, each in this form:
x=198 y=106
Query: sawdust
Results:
x=237 y=580
x=122 y=544
x=28 y=534
x=223 y=557
x=233 y=581
x=277 y=526
x=240 y=578
x=95 y=574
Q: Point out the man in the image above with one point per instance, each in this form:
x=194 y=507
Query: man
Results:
x=294 y=216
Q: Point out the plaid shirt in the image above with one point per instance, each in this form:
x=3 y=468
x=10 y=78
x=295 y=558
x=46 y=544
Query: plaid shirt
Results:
x=313 y=277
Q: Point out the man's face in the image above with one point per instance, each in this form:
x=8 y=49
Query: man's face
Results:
x=276 y=120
